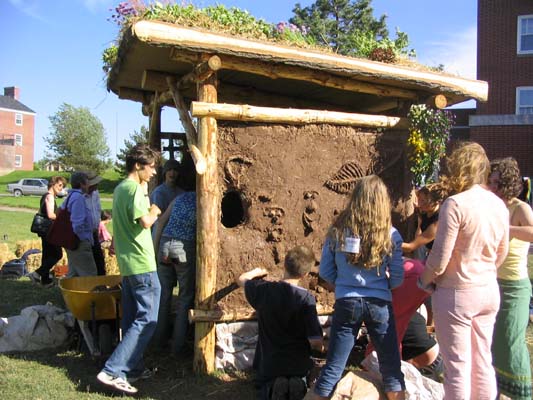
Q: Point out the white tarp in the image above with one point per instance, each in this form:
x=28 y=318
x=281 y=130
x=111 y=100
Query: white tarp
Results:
x=37 y=327
x=418 y=387
x=235 y=343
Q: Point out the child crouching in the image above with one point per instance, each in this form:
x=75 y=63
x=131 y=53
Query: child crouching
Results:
x=288 y=327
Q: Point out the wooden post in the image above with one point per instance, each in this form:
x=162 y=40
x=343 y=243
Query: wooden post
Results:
x=155 y=136
x=208 y=217
x=155 y=126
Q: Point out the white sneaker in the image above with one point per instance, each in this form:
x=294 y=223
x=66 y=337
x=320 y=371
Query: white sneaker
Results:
x=117 y=383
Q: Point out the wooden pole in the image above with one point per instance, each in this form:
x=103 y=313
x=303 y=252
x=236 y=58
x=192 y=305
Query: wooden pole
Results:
x=190 y=130
x=196 y=316
x=280 y=71
x=208 y=217
x=155 y=126
x=237 y=112
x=437 y=101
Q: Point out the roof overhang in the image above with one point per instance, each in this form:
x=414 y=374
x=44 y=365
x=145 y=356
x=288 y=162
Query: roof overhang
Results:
x=324 y=78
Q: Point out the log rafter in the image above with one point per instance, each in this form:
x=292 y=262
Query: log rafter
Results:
x=197 y=315
x=277 y=71
x=235 y=112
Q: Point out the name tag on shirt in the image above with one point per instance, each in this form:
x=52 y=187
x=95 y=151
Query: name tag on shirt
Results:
x=351 y=245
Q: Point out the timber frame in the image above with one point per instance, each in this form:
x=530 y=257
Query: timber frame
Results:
x=212 y=76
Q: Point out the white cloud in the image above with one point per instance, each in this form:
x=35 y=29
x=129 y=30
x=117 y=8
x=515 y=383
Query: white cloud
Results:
x=95 y=5
x=30 y=8
x=458 y=53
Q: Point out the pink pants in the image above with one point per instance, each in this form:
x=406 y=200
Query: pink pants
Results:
x=464 y=321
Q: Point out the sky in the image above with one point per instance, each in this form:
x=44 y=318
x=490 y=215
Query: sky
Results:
x=52 y=51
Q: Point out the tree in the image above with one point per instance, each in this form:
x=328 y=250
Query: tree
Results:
x=77 y=139
x=134 y=139
x=331 y=22
x=349 y=28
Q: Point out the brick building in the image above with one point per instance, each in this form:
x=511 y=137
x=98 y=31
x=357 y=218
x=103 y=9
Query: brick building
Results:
x=504 y=124
x=17 y=131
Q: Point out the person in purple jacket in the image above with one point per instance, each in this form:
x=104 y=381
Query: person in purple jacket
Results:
x=362 y=257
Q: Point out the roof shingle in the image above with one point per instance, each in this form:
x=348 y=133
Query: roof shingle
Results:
x=12 y=104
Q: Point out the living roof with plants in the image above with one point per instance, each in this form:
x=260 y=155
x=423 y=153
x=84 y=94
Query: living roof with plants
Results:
x=309 y=28
x=324 y=53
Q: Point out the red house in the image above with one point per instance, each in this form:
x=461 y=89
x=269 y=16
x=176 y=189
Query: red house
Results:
x=504 y=124
x=17 y=131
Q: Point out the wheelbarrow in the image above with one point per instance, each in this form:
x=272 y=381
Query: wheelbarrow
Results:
x=95 y=303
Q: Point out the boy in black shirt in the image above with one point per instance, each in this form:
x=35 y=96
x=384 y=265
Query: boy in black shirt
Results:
x=288 y=327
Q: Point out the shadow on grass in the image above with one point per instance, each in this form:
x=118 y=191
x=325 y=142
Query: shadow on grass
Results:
x=75 y=372
x=16 y=295
x=174 y=377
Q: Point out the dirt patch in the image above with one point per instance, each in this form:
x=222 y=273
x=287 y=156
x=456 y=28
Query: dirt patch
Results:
x=283 y=185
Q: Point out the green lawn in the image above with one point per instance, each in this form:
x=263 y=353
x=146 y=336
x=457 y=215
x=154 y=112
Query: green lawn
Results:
x=33 y=202
x=66 y=373
x=111 y=179
x=15 y=226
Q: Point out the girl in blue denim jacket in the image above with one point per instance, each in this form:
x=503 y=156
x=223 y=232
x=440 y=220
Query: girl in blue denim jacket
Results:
x=362 y=257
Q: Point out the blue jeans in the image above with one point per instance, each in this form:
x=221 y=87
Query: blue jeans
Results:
x=181 y=271
x=349 y=314
x=140 y=305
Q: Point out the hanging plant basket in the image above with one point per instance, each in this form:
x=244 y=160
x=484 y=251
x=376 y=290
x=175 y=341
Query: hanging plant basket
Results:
x=429 y=132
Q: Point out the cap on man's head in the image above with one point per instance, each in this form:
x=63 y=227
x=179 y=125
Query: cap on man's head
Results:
x=170 y=164
x=94 y=178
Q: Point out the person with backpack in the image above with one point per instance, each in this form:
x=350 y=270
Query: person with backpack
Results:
x=51 y=254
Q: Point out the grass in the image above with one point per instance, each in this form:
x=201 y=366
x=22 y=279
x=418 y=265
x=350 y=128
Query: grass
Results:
x=66 y=373
x=18 y=294
x=111 y=178
x=15 y=226
x=32 y=202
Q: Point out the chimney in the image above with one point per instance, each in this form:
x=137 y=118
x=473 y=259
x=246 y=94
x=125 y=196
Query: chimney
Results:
x=12 y=91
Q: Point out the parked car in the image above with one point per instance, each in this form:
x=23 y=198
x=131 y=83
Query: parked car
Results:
x=28 y=186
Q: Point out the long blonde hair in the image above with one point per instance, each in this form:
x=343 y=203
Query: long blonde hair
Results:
x=467 y=166
x=367 y=216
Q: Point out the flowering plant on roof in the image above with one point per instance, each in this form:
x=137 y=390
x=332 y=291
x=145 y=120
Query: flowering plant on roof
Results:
x=429 y=132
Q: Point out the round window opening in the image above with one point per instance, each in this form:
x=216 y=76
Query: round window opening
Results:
x=233 y=211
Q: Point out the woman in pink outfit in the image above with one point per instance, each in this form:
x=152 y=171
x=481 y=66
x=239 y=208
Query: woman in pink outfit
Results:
x=471 y=243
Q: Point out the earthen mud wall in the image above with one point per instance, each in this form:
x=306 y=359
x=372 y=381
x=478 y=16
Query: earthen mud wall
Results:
x=282 y=185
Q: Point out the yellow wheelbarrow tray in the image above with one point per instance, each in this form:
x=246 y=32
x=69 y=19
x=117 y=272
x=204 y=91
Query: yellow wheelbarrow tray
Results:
x=91 y=299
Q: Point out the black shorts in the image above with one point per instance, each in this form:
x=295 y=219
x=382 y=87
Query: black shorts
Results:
x=416 y=340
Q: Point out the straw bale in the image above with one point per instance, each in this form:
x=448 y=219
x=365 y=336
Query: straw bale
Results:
x=21 y=246
x=111 y=265
x=5 y=254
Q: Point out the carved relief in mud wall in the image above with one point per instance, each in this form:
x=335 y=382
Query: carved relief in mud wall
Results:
x=283 y=185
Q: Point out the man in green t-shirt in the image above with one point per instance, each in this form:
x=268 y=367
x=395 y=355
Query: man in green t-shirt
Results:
x=132 y=218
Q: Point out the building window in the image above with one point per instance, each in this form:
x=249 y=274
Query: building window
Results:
x=524 y=100
x=18 y=160
x=18 y=119
x=524 y=43
x=18 y=139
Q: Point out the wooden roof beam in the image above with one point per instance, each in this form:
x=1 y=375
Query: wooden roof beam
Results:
x=276 y=71
x=248 y=113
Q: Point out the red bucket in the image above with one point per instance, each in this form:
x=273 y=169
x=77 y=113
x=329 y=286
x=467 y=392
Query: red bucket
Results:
x=60 y=270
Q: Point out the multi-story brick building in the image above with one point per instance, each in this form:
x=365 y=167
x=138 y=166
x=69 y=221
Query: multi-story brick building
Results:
x=17 y=131
x=504 y=124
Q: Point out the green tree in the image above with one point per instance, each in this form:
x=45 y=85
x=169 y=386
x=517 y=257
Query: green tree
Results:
x=77 y=139
x=333 y=22
x=134 y=139
x=349 y=28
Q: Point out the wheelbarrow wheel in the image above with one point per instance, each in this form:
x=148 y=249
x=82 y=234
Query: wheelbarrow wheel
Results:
x=105 y=339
